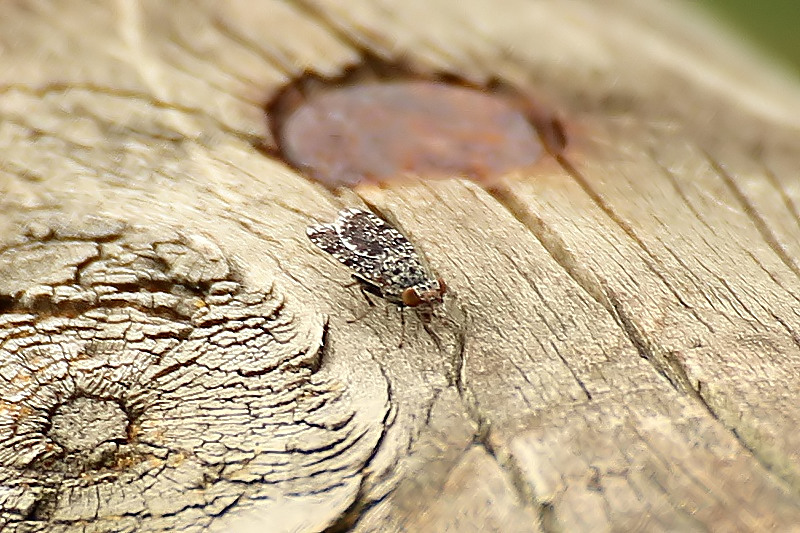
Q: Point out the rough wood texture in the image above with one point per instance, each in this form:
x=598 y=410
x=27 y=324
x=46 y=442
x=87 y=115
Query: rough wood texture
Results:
x=623 y=345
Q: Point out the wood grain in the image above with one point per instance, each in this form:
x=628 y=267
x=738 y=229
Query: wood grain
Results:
x=621 y=350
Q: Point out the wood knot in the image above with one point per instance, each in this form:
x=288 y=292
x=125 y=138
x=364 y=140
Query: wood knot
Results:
x=82 y=424
x=89 y=440
x=132 y=366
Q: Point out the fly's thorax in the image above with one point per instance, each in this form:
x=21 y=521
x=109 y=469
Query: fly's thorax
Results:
x=400 y=272
x=427 y=292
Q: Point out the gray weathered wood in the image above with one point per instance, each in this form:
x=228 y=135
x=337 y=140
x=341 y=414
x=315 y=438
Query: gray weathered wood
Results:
x=621 y=350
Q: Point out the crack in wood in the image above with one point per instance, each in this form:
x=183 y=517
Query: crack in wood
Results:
x=651 y=261
x=669 y=367
x=361 y=504
x=752 y=213
x=790 y=205
x=142 y=361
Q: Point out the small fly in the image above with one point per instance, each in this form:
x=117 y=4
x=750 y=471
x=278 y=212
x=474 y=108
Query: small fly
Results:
x=383 y=261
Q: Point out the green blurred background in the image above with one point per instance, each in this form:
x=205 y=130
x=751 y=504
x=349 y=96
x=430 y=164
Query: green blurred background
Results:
x=771 y=25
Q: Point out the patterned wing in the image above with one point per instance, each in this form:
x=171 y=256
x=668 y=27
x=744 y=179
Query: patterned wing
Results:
x=328 y=239
x=378 y=254
x=370 y=236
x=398 y=264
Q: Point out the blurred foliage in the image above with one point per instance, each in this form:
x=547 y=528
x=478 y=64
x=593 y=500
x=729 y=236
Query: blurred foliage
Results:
x=772 y=25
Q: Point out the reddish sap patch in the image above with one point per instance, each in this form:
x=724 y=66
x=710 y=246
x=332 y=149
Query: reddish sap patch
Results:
x=387 y=131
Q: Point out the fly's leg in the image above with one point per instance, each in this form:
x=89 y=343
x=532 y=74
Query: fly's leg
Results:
x=401 y=308
x=365 y=294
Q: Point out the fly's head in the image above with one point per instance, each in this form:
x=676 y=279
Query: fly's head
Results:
x=426 y=293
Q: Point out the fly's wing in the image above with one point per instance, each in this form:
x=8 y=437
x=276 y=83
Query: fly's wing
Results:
x=370 y=236
x=396 y=263
x=378 y=254
x=328 y=238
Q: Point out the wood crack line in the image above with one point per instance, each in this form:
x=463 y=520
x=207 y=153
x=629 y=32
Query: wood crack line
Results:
x=597 y=289
x=362 y=502
x=458 y=379
x=752 y=213
x=668 y=367
x=651 y=261
x=505 y=462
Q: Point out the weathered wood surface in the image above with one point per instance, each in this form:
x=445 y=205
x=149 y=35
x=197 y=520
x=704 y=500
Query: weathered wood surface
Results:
x=623 y=351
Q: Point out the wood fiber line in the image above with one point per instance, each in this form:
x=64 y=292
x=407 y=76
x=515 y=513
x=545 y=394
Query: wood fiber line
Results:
x=758 y=221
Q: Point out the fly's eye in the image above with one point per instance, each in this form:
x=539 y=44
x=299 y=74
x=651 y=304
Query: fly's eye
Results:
x=442 y=286
x=411 y=298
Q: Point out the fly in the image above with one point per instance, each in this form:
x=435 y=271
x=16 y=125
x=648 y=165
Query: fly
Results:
x=383 y=261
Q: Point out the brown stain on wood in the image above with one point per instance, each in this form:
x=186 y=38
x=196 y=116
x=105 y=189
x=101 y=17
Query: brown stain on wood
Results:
x=383 y=129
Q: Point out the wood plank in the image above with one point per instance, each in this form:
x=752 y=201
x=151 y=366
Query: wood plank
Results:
x=619 y=350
